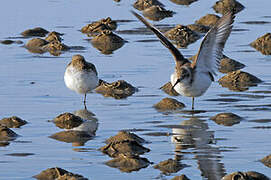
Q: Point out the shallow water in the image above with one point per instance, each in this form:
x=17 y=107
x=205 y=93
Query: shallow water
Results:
x=32 y=88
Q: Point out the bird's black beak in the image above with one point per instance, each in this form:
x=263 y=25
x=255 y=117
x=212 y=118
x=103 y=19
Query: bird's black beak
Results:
x=178 y=80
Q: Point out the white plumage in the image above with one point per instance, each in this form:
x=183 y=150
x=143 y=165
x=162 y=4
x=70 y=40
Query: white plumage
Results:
x=80 y=81
x=81 y=76
x=193 y=79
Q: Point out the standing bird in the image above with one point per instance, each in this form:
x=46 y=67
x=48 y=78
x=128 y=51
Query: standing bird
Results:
x=81 y=76
x=193 y=79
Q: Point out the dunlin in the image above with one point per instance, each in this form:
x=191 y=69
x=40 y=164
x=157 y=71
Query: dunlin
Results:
x=193 y=79
x=81 y=76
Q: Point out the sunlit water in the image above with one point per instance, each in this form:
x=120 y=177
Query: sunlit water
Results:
x=146 y=65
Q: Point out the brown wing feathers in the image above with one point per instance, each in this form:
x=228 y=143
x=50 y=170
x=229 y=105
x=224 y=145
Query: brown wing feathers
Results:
x=175 y=52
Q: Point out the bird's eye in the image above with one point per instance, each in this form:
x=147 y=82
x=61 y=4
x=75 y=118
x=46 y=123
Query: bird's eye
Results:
x=185 y=72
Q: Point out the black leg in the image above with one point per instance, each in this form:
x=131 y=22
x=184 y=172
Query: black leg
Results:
x=85 y=97
x=192 y=103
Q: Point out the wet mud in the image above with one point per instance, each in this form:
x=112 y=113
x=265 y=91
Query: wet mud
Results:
x=144 y=4
x=226 y=64
x=250 y=175
x=168 y=104
x=118 y=90
x=13 y=122
x=124 y=146
x=263 y=44
x=224 y=6
x=239 y=80
x=99 y=26
x=57 y=173
x=40 y=46
x=125 y=136
x=208 y=20
x=178 y=140
x=199 y=28
x=157 y=13
x=267 y=161
x=167 y=88
x=181 y=177
x=38 y=31
x=67 y=121
x=182 y=36
x=79 y=127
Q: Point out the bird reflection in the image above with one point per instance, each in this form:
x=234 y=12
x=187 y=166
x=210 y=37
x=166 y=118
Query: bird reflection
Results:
x=194 y=133
x=78 y=135
x=90 y=124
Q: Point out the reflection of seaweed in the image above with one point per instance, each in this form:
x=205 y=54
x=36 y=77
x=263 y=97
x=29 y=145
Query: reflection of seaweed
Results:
x=128 y=163
x=125 y=148
x=234 y=87
x=183 y=2
x=170 y=166
x=71 y=136
x=107 y=42
x=6 y=134
x=82 y=127
x=226 y=119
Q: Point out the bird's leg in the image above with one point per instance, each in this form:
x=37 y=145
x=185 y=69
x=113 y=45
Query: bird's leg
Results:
x=192 y=103
x=85 y=106
x=85 y=100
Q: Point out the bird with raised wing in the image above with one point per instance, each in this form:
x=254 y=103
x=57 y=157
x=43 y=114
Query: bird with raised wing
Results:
x=193 y=79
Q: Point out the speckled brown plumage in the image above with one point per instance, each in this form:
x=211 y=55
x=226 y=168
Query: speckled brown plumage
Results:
x=80 y=63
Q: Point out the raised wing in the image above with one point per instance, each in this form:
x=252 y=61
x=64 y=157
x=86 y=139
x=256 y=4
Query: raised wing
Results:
x=211 y=48
x=174 y=51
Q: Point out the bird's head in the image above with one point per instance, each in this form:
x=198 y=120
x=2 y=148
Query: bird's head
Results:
x=183 y=74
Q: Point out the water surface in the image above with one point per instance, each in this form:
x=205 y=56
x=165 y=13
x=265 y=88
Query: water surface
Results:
x=32 y=88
